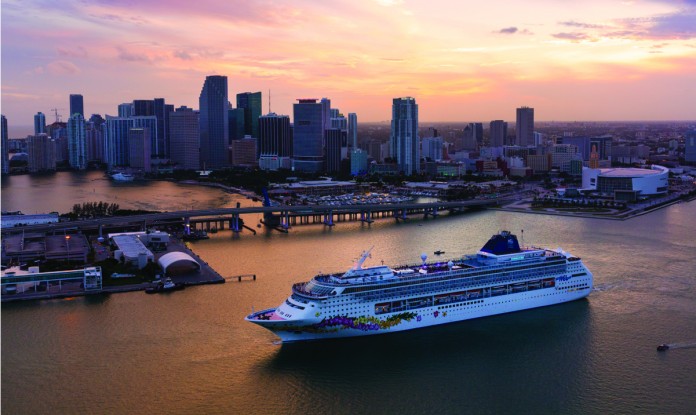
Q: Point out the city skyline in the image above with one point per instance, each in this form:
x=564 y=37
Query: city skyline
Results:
x=622 y=61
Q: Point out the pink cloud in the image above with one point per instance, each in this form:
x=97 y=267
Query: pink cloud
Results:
x=61 y=67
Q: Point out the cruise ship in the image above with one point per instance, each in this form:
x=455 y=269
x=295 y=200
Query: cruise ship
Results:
x=501 y=278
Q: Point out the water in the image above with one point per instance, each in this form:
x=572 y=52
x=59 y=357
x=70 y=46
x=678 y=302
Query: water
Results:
x=191 y=351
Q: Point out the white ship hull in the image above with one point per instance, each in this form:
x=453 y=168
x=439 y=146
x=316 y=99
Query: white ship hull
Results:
x=380 y=300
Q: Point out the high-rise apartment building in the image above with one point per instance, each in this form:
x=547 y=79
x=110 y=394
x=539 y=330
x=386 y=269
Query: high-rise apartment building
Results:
x=39 y=123
x=332 y=146
x=690 y=147
x=432 y=148
x=184 y=139
x=77 y=105
x=498 y=133
x=275 y=142
x=325 y=113
x=94 y=138
x=41 y=150
x=160 y=143
x=250 y=102
x=149 y=122
x=404 y=142
x=139 y=148
x=353 y=130
x=4 y=144
x=77 y=142
x=308 y=135
x=214 y=123
x=116 y=141
x=524 y=126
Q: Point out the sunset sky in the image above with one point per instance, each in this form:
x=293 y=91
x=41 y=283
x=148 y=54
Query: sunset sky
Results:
x=461 y=60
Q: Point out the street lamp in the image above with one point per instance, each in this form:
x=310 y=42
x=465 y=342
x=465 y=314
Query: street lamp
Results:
x=67 y=242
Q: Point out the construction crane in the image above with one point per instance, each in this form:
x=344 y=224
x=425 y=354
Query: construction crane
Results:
x=55 y=112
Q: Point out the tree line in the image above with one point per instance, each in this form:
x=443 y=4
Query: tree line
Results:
x=94 y=209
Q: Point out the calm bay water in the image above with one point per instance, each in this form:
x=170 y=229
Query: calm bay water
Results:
x=191 y=352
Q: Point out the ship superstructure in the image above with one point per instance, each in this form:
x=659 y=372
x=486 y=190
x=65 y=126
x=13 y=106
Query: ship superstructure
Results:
x=502 y=277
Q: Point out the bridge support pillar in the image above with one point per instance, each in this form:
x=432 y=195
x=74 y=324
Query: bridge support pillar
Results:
x=187 y=226
x=285 y=221
x=234 y=223
x=328 y=218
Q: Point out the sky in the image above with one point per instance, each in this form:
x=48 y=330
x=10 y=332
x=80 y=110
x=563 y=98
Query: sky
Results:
x=462 y=60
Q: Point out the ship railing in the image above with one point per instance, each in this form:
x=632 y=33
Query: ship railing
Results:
x=299 y=289
x=435 y=286
x=425 y=278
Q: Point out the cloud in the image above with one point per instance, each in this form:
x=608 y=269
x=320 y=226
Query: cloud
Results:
x=78 y=52
x=127 y=56
x=182 y=54
x=681 y=25
x=583 y=25
x=513 y=30
x=61 y=67
x=573 y=37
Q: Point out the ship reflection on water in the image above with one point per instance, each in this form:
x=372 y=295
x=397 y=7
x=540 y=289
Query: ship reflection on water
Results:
x=549 y=344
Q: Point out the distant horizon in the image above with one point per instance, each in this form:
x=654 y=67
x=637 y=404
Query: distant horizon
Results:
x=601 y=60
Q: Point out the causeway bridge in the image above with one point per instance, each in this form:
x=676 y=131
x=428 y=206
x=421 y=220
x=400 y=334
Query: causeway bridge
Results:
x=281 y=217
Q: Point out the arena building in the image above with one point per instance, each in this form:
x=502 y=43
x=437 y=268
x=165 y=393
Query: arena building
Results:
x=626 y=183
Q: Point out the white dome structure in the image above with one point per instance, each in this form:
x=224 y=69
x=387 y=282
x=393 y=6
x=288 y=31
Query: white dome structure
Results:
x=177 y=262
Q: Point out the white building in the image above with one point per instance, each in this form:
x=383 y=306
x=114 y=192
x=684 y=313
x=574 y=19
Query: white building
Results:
x=645 y=182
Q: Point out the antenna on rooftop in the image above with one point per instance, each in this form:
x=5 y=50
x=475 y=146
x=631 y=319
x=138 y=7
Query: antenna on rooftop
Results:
x=55 y=112
x=269 y=100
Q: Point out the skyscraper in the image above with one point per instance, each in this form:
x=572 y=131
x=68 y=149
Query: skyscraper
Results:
x=432 y=148
x=250 y=102
x=214 y=124
x=139 y=151
x=325 y=113
x=116 y=141
x=77 y=142
x=524 y=126
x=77 y=105
x=333 y=138
x=275 y=142
x=477 y=132
x=94 y=138
x=143 y=107
x=236 y=123
x=185 y=138
x=4 y=144
x=126 y=110
x=41 y=150
x=404 y=142
x=159 y=147
x=308 y=135
x=151 y=123
x=353 y=129
x=39 y=123
x=498 y=133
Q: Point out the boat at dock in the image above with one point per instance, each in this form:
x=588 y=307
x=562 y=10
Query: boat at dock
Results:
x=123 y=177
x=164 y=286
x=501 y=278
